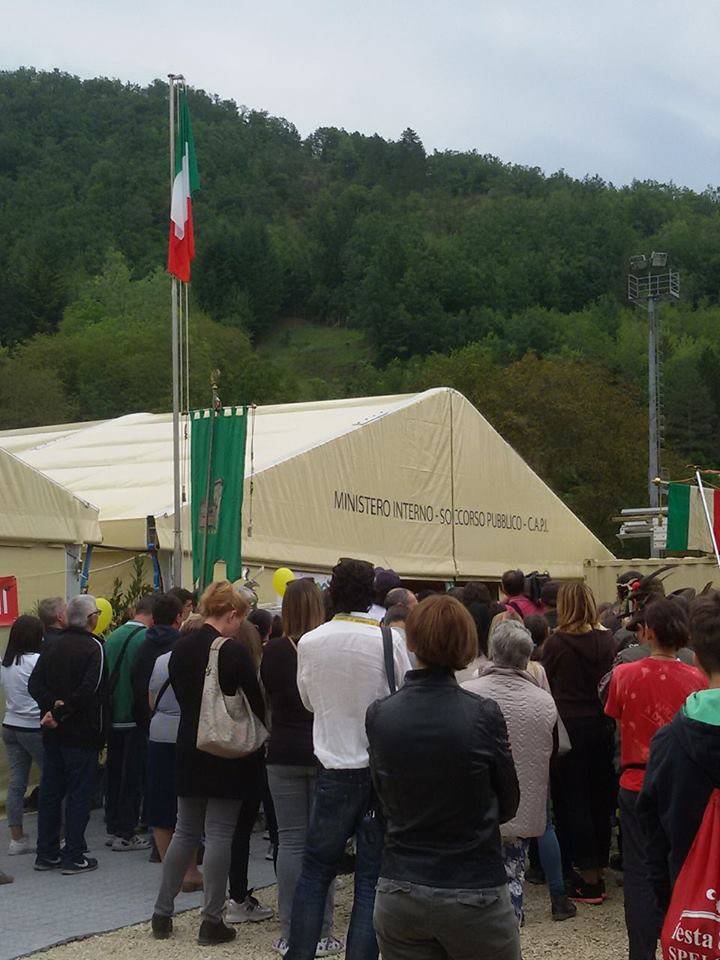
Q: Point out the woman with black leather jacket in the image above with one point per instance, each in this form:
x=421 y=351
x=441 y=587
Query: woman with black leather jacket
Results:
x=444 y=774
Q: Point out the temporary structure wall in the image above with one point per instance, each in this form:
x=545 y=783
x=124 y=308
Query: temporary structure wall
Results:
x=694 y=572
x=35 y=508
x=420 y=483
x=42 y=527
x=428 y=488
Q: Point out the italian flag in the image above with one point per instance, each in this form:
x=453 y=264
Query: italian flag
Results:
x=687 y=525
x=181 y=248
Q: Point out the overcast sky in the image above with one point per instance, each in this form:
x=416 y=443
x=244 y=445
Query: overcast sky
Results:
x=623 y=89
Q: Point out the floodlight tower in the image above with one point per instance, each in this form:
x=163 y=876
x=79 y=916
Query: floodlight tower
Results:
x=651 y=280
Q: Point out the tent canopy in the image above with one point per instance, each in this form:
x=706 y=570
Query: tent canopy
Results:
x=35 y=508
x=421 y=483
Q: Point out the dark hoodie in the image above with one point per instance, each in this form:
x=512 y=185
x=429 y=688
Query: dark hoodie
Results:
x=682 y=771
x=158 y=640
x=575 y=664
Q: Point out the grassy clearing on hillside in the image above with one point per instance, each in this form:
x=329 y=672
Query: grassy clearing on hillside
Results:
x=320 y=356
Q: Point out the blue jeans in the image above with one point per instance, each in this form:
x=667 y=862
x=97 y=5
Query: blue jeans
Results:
x=293 y=793
x=22 y=747
x=549 y=851
x=68 y=774
x=344 y=806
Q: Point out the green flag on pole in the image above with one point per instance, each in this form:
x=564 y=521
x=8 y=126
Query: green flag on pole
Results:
x=217 y=474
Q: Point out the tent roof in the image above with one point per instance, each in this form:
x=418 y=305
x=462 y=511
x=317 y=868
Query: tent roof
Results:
x=35 y=508
x=420 y=482
x=125 y=465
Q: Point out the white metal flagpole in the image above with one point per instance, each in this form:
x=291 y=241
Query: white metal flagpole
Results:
x=174 y=291
x=707 y=516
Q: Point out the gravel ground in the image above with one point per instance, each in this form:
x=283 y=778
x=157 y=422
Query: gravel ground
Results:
x=597 y=933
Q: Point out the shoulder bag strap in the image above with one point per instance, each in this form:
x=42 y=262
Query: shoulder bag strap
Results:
x=115 y=675
x=389 y=659
x=214 y=657
x=161 y=693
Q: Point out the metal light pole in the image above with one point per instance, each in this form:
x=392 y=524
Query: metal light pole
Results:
x=646 y=288
x=653 y=406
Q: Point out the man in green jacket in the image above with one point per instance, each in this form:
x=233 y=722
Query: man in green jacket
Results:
x=126 y=743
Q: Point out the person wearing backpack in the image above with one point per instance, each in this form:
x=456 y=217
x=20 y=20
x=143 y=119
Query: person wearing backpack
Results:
x=683 y=769
x=126 y=742
x=513 y=588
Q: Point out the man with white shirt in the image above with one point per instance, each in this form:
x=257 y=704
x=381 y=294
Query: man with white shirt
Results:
x=341 y=671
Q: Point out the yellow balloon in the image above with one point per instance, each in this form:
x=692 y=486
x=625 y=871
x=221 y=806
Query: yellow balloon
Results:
x=106 y=615
x=281 y=578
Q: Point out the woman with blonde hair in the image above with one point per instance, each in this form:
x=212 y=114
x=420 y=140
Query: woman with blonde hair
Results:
x=576 y=656
x=210 y=788
x=291 y=764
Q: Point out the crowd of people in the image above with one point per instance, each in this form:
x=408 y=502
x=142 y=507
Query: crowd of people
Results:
x=451 y=745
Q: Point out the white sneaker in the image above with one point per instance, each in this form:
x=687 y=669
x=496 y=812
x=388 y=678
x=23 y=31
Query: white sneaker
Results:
x=19 y=846
x=329 y=947
x=281 y=946
x=248 y=911
x=134 y=843
x=110 y=839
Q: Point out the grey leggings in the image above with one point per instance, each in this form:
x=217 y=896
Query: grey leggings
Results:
x=22 y=747
x=292 y=790
x=216 y=820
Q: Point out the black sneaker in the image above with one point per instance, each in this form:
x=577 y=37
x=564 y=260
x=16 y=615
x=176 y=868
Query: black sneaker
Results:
x=582 y=892
x=214 y=931
x=161 y=926
x=47 y=863
x=82 y=866
x=562 y=908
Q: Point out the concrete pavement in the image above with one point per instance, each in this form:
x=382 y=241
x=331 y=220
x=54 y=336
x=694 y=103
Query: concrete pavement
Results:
x=42 y=909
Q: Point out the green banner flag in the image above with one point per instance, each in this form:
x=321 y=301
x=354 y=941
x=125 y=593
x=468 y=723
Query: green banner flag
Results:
x=217 y=474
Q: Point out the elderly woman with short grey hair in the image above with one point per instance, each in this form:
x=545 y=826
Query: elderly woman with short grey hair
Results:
x=531 y=718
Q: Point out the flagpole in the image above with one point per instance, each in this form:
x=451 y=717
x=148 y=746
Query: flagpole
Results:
x=177 y=494
x=707 y=517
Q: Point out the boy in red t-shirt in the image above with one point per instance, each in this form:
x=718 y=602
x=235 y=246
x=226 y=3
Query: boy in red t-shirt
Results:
x=643 y=697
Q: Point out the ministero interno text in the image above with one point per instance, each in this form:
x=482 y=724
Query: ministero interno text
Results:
x=363 y=504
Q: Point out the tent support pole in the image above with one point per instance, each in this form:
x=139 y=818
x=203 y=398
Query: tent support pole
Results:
x=452 y=485
x=85 y=573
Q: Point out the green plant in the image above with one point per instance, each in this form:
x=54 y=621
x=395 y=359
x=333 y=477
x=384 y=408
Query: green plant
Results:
x=122 y=599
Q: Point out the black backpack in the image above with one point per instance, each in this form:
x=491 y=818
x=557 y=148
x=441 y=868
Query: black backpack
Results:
x=534 y=582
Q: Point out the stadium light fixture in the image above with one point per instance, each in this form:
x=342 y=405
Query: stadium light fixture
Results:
x=646 y=289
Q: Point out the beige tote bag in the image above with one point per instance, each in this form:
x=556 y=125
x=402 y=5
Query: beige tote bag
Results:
x=227 y=726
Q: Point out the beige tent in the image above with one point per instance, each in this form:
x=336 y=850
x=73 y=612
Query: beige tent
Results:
x=419 y=483
x=42 y=529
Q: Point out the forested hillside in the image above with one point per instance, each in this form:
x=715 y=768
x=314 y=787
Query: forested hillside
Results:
x=343 y=264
